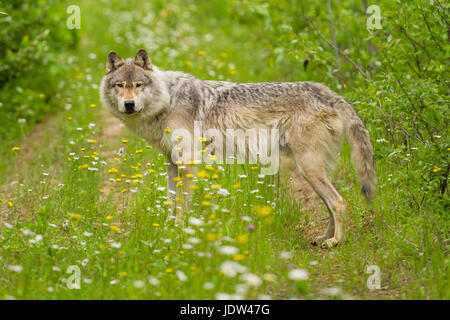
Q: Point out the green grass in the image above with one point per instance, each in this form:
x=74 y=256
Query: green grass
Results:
x=116 y=226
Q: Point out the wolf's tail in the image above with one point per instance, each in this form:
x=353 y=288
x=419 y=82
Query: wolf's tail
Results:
x=362 y=152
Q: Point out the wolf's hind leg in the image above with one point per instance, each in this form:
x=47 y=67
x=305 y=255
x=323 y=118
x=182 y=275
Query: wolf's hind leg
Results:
x=313 y=169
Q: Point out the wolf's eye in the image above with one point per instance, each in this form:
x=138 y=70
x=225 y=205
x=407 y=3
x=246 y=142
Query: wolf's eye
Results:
x=139 y=85
x=120 y=85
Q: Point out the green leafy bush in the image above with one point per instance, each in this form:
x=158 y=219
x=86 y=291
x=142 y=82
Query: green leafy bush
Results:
x=33 y=35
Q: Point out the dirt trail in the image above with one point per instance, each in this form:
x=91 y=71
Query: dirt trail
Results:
x=41 y=141
x=112 y=129
x=110 y=134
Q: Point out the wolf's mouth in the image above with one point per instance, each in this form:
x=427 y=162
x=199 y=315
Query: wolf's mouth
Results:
x=130 y=113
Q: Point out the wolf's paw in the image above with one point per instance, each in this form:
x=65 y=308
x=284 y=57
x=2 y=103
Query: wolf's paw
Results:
x=330 y=243
x=318 y=240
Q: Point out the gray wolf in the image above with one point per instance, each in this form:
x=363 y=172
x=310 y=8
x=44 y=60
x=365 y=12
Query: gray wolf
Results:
x=311 y=118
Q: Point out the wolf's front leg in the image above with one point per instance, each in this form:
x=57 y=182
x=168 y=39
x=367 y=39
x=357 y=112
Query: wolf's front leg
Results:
x=178 y=190
x=172 y=173
x=187 y=171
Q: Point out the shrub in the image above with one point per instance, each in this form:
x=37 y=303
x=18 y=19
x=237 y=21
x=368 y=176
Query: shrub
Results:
x=32 y=36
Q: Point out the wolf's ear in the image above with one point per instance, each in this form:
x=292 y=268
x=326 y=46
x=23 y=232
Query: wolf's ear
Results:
x=143 y=60
x=113 y=62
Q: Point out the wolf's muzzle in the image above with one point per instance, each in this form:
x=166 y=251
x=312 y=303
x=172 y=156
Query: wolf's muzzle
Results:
x=129 y=106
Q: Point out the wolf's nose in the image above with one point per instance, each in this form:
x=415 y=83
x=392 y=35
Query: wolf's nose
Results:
x=129 y=106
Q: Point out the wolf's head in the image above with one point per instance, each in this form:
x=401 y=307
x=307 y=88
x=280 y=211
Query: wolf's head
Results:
x=133 y=86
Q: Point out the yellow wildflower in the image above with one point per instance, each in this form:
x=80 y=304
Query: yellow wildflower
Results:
x=202 y=174
x=241 y=239
x=114 y=228
x=263 y=211
x=113 y=170
x=211 y=237
x=238 y=257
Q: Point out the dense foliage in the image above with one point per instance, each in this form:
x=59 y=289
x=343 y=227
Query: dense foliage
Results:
x=33 y=35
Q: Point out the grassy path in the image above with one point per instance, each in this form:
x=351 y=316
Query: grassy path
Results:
x=91 y=195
